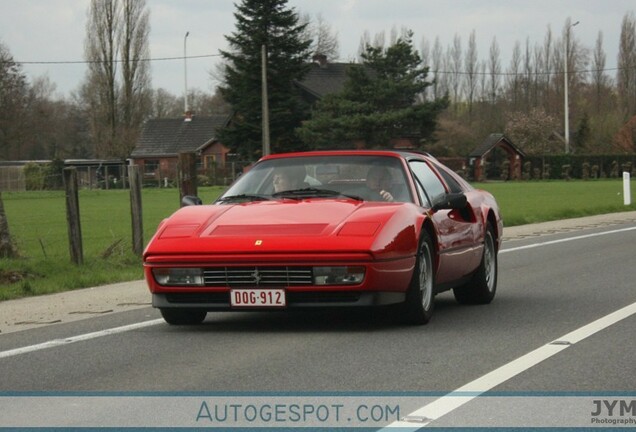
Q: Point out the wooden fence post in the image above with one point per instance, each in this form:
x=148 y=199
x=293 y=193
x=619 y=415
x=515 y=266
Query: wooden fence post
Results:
x=124 y=176
x=187 y=174
x=134 y=174
x=73 y=216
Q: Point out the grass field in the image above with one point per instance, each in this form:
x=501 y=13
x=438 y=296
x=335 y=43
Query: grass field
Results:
x=37 y=221
x=531 y=202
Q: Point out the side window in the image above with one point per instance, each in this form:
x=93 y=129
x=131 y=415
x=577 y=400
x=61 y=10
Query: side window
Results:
x=427 y=179
x=453 y=185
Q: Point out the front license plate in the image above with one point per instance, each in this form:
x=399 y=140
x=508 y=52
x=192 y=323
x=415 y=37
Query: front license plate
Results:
x=258 y=298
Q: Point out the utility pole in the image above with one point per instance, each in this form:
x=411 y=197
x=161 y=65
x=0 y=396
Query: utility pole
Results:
x=265 y=104
x=185 y=75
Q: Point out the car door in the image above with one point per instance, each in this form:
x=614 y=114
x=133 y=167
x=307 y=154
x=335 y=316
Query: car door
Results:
x=457 y=235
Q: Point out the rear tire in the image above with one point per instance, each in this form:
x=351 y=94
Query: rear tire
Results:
x=420 y=297
x=483 y=286
x=183 y=316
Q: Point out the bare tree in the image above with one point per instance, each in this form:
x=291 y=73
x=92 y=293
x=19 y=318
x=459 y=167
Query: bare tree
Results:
x=471 y=70
x=483 y=81
x=135 y=93
x=425 y=54
x=455 y=59
x=439 y=87
x=365 y=41
x=626 y=77
x=324 y=38
x=165 y=104
x=13 y=105
x=379 y=40
x=117 y=32
x=600 y=80
x=425 y=51
x=513 y=81
x=538 y=87
x=46 y=118
x=526 y=82
x=100 y=88
x=494 y=70
x=547 y=57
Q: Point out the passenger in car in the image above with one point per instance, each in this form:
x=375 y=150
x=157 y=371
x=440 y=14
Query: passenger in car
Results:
x=289 y=178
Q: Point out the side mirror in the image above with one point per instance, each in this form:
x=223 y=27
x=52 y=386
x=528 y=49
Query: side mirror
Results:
x=190 y=200
x=451 y=201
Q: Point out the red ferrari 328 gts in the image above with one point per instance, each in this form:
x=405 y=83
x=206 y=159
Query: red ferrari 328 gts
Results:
x=327 y=229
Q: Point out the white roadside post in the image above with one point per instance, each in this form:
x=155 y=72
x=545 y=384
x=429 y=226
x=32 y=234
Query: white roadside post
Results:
x=627 y=194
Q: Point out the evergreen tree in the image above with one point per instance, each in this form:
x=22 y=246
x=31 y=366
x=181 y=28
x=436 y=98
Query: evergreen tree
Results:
x=379 y=101
x=273 y=24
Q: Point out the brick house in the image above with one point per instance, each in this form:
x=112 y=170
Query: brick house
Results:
x=162 y=140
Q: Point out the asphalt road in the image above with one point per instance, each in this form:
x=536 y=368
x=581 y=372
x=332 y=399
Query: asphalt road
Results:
x=549 y=286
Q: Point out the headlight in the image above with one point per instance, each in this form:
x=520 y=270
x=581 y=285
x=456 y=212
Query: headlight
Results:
x=338 y=275
x=178 y=276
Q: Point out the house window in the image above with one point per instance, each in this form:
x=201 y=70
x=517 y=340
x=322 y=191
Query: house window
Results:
x=210 y=161
x=151 y=167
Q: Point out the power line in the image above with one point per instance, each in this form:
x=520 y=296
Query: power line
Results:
x=114 y=61
x=431 y=71
x=533 y=73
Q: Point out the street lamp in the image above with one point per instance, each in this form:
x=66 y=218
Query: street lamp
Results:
x=565 y=86
x=185 y=74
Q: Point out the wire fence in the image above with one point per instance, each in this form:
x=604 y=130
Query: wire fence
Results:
x=12 y=179
x=20 y=178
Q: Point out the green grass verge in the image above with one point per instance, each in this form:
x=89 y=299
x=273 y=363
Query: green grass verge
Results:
x=37 y=221
x=531 y=202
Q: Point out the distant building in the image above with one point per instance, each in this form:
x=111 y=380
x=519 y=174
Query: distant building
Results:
x=322 y=78
x=487 y=152
x=163 y=139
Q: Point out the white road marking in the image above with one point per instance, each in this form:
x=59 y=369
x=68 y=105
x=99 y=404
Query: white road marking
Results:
x=569 y=239
x=455 y=399
x=79 y=338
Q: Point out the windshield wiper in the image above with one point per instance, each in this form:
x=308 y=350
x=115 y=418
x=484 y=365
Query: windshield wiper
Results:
x=243 y=197
x=313 y=193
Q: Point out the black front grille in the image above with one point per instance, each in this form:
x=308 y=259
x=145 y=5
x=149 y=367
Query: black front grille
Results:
x=203 y=298
x=323 y=297
x=257 y=276
x=223 y=298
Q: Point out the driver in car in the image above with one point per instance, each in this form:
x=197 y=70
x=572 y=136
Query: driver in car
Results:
x=379 y=180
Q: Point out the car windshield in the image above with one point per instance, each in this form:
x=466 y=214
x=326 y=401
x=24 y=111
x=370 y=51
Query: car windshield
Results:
x=360 y=177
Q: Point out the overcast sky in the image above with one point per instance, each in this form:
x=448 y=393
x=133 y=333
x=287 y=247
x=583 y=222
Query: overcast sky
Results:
x=54 y=30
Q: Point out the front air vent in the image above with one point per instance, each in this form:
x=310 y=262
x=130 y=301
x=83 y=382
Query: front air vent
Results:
x=257 y=276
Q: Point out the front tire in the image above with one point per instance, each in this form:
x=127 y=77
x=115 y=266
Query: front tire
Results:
x=483 y=286
x=183 y=316
x=420 y=297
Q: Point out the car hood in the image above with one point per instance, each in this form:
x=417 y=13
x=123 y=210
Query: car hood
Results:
x=286 y=226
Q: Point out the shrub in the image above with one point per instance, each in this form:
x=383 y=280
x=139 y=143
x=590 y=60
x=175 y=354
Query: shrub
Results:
x=35 y=176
